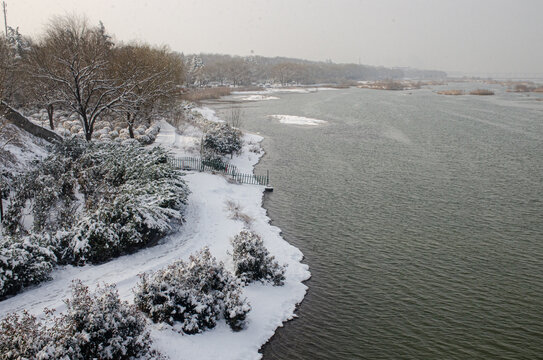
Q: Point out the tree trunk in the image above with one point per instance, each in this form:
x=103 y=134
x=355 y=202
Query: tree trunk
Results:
x=130 y=126
x=50 y=111
x=87 y=125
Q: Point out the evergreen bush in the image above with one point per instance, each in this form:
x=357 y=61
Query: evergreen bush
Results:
x=23 y=262
x=222 y=139
x=195 y=294
x=252 y=260
x=89 y=203
x=95 y=326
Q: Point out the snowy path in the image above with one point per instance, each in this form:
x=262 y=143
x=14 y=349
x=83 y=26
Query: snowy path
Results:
x=207 y=224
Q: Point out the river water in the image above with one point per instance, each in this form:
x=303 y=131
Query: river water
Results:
x=420 y=217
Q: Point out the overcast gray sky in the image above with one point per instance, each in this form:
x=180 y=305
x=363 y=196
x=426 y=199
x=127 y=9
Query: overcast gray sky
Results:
x=472 y=36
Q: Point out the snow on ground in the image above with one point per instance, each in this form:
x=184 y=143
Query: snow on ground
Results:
x=285 y=90
x=185 y=144
x=298 y=120
x=256 y=97
x=208 y=223
x=18 y=150
x=208 y=114
x=21 y=148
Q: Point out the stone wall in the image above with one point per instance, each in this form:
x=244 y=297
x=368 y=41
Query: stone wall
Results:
x=21 y=122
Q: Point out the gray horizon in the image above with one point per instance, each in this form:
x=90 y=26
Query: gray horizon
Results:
x=461 y=36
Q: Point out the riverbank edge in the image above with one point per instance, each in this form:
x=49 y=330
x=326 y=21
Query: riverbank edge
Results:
x=297 y=272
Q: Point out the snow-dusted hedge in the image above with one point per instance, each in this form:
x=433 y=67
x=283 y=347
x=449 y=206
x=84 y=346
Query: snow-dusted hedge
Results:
x=148 y=136
x=222 y=139
x=23 y=262
x=195 y=293
x=89 y=203
x=95 y=326
x=131 y=197
x=108 y=129
x=49 y=187
x=252 y=260
x=132 y=194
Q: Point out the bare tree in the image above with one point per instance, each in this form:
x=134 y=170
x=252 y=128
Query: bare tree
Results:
x=237 y=70
x=75 y=58
x=3 y=144
x=151 y=76
x=287 y=72
x=44 y=91
x=7 y=70
x=235 y=118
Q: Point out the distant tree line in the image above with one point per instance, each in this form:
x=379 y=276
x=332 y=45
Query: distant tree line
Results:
x=214 y=69
x=79 y=68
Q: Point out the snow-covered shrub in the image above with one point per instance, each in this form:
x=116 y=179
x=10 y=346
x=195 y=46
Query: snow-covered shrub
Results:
x=222 y=139
x=148 y=136
x=252 y=260
x=64 y=132
x=100 y=132
x=100 y=325
x=49 y=186
x=133 y=195
x=60 y=244
x=23 y=262
x=130 y=142
x=153 y=130
x=21 y=337
x=92 y=202
x=105 y=138
x=95 y=326
x=254 y=147
x=236 y=213
x=195 y=293
x=145 y=139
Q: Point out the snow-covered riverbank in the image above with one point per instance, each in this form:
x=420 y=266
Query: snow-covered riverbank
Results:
x=208 y=223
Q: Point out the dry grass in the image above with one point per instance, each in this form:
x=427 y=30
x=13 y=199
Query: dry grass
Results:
x=345 y=85
x=236 y=213
x=451 y=92
x=206 y=93
x=482 y=92
x=391 y=85
x=249 y=88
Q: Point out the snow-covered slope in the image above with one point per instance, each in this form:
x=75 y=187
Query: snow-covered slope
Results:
x=20 y=148
x=208 y=223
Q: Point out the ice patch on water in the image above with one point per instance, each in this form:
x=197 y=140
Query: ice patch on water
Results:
x=257 y=97
x=298 y=120
x=396 y=135
x=208 y=114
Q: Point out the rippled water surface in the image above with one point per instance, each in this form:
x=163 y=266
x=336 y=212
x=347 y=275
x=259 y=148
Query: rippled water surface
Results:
x=420 y=216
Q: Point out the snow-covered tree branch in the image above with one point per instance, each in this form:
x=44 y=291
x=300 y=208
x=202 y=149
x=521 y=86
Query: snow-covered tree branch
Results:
x=71 y=62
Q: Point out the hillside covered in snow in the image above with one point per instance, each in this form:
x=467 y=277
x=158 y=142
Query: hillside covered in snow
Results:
x=217 y=210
